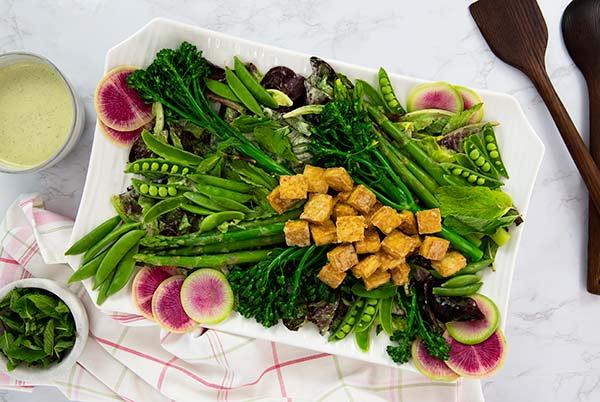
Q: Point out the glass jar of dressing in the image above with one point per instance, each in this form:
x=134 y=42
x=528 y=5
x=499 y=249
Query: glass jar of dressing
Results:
x=41 y=118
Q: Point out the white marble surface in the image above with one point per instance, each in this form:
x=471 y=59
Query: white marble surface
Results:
x=554 y=325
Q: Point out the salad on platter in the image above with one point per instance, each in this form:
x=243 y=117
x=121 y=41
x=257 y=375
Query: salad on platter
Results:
x=309 y=201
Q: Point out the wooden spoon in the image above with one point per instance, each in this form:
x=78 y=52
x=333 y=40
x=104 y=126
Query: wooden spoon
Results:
x=516 y=32
x=581 y=32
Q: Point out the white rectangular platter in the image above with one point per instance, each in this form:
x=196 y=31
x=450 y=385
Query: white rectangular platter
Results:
x=521 y=149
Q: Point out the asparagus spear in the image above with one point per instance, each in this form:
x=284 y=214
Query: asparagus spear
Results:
x=204 y=261
x=219 y=248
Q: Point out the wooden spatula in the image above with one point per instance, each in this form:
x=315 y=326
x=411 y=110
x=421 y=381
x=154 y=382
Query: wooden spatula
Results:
x=516 y=32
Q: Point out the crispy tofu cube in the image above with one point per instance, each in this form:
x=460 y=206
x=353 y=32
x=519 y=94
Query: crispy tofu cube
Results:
x=400 y=274
x=386 y=219
x=277 y=203
x=315 y=178
x=377 y=279
x=362 y=199
x=296 y=233
x=323 y=233
x=397 y=244
x=343 y=196
x=452 y=262
x=318 y=208
x=370 y=244
x=429 y=221
x=330 y=276
x=409 y=223
x=293 y=187
x=342 y=209
x=350 y=228
x=366 y=266
x=369 y=215
x=388 y=261
x=343 y=257
x=417 y=241
x=339 y=179
x=434 y=248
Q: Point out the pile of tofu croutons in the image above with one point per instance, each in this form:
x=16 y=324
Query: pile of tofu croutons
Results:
x=372 y=240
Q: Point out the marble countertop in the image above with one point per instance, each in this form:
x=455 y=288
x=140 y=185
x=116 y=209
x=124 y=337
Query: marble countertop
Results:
x=553 y=324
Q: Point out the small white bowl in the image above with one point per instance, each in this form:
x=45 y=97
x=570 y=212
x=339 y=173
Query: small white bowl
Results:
x=36 y=375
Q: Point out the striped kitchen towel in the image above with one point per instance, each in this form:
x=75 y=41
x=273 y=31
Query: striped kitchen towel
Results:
x=125 y=359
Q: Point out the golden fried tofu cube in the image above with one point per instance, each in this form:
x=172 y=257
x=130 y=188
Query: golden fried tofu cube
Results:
x=434 y=248
x=397 y=244
x=330 y=276
x=366 y=266
x=350 y=228
x=318 y=208
x=339 y=179
x=376 y=279
x=343 y=257
x=343 y=196
x=323 y=233
x=417 y=241
x=342 y=209
x=370 y=244
x=400 y=274
x=315 y=178
x=409 y=223
x=386 y=219
x=277 y=203
x=452 y=262
x=369 y=215
x=362 y=199
x=296 y=233
x=293 y=187
x=388 y=261
x=429 y=221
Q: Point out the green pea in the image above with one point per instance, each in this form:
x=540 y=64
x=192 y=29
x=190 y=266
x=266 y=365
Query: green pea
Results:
x=340 y=335
x=154 y=166
x=494 y=154
x=388 y=97
x=474 y=154
x=346 y=328
x=481 y=181
x=185 y=170
x=144 y=188
x=489 y=138
x=174 y=169
x=465 y=174
x=486 y=167
x=164 y=168
x=457 y=171
x=172 y=191
x=162 y=192
x=145 y=166
x=351 y=320
x=153 y=191
x=136 y=167
x=480 y=161
x=386 y=90
x=394 y=103
x=472 y=178
x=491 y=147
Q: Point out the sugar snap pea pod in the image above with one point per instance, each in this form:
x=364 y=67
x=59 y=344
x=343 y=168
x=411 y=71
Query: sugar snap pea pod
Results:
x=363 y=339
x=460 y=281
x=195 y=209
x=212 y=191
x=108 y=240
x=382 y=292
x=368 y=315
x=243 y=94
x=462 y=291
x=161 y=208
x=471 y=177
x=115 y=255
x=93 y=237
x=259 y=92
x=474 y=267
x=491 y=146
x=214 y=220
x=124 y=272
x=230 y=205
x=474 y=149
x=385 y=85
x=371 y=93
x=203 y=201
x=103 y=291
x=160 y=191
x=157 y=166
x=169 y=152
x=349 y=321
x=87 y=270
x=227 y=184
x=385 y=315
x=221 y=89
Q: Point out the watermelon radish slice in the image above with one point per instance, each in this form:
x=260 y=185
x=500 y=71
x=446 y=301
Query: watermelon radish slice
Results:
x=118 y=106
x=430 y=366
x=477 y=361
x=474 y=332
x=145 y=283
x=436 y=95
x=206 y=296
x=166 y=306
x=120 y=137
x=470 y=99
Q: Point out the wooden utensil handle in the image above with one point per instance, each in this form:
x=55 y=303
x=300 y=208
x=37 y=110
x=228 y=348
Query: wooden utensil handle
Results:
x=577 y=148
x=593 y=273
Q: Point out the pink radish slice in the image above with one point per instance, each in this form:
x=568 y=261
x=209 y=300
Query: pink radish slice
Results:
x=477 y=361
x=430 y=366
x=206 y=296
x=436 y=95
x=474 y=332
x=120 y=137
x=118 y=106
x=167 y=309
x=145 y=283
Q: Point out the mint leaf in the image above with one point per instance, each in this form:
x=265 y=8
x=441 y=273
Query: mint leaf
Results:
x=63 y=345
x=46 y=304
x=30 y=345
x=62 y=308
x=6 y=339
x=13 y=324
x=27 y=355
x=276 y=142
x=461 y=119
x=49 y=337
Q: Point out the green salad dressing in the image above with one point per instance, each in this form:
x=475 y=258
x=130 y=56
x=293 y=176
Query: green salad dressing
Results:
x=36 y=114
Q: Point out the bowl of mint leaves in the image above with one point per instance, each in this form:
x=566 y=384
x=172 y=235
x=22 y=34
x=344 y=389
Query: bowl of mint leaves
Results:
x=43 y=329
